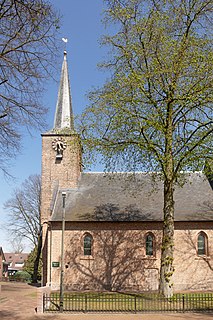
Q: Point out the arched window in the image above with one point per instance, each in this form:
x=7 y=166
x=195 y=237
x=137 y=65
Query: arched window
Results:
x=150 y=245
x=202 y=244
x=88 y=245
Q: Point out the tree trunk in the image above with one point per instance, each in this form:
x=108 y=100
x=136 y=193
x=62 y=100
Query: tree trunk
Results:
x=167 y=269
x=36 y=262
x=167 y=249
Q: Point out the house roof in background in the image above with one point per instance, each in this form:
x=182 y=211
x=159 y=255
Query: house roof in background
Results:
x=134 y=197
x=16 y=258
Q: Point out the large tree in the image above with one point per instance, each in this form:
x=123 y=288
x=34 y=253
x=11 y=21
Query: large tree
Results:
x=29 y=265
x=155 y=112
x=24 y=216
x=28 y=50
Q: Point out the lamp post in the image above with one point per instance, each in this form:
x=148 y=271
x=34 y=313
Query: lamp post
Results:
x=62 y=253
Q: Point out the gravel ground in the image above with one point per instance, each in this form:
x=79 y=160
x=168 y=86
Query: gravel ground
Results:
x=18 y=302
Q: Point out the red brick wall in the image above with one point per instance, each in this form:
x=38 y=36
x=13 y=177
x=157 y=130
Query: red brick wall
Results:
x=119 y=261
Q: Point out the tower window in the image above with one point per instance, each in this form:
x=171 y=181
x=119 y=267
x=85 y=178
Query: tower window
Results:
x=202 y=244
x=88 y=245
x=150 y=245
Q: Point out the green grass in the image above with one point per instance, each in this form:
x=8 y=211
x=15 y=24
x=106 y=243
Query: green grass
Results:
x=120 y=302
x=3 y=299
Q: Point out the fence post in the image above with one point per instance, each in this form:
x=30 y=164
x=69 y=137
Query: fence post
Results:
x=42 y=302
x=183 y=300
x=85 y=302
x=135 y=303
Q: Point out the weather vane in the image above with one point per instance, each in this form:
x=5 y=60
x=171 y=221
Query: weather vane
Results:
x=65 y=40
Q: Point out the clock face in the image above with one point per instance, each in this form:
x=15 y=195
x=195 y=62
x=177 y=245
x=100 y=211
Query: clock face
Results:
x=59 y=144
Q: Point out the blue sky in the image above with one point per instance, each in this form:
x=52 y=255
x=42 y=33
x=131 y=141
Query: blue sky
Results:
x=81 y=24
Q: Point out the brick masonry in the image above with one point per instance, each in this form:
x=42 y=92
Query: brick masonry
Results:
x=56 y=174
x=119 y=261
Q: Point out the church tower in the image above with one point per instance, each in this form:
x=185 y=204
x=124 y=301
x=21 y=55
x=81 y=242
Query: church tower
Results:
x=61 y=158
x=61 y=149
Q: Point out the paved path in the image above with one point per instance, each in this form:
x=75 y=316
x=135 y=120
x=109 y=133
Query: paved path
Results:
x=18 y=302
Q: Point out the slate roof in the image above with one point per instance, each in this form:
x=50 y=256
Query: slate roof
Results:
x=124 y=197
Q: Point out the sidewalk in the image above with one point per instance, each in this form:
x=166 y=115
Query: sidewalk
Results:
x=18 y=302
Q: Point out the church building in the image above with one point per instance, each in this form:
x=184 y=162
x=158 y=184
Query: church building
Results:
x=103 y=231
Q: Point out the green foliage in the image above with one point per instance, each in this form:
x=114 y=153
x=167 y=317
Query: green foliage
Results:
x=22 y=276
x=158 y=101
x=29 y=264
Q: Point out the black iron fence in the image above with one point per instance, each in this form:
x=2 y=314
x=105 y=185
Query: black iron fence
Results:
x=133 y=303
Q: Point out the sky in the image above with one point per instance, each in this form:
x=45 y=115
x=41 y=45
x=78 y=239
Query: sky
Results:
x=81 y=25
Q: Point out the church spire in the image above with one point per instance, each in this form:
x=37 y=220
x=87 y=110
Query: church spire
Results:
x=63 y=113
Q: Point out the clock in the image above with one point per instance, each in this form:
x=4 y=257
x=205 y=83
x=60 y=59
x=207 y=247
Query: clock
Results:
x=59 y=145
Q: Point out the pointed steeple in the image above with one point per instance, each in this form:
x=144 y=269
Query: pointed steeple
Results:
x=63 y=113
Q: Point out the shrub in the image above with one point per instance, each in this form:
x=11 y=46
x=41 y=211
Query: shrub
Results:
x=22 y=276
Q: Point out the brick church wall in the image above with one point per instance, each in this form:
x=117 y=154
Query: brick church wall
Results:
x=193 y=272
x=119 y=261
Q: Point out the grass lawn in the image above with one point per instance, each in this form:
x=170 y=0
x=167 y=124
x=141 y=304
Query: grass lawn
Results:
x=123 y=302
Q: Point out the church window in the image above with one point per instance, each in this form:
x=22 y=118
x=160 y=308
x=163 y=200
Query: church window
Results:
x=88 y=245
x=150 y=245
x=202 y=244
